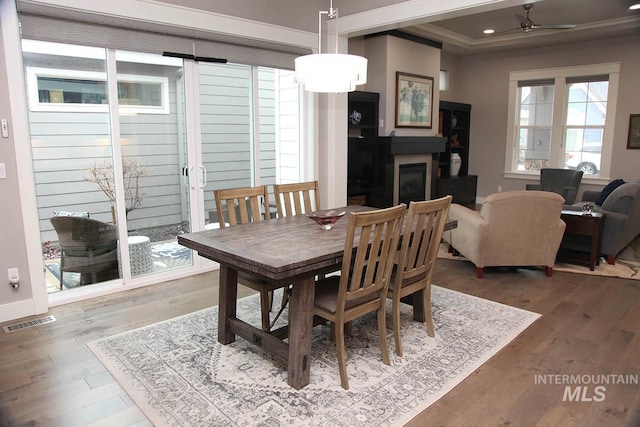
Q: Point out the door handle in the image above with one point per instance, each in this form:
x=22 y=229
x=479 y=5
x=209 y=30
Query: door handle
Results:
x=203 y=176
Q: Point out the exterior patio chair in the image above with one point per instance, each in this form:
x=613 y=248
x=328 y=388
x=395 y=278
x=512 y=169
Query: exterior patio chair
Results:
x=242 y=206
x=412 y=276
x=365 y=275
x=88 y=247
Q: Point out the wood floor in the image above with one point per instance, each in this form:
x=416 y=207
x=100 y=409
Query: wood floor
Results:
x=589 y=326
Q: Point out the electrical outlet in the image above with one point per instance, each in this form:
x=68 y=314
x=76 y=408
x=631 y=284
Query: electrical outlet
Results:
x=499 y=188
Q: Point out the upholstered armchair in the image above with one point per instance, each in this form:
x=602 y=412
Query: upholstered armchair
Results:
x=514 y=228
x=88 y=247
x=565 y=182
x=622 y=223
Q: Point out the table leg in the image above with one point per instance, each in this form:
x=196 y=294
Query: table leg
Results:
x=300 y=325
x=228 y=294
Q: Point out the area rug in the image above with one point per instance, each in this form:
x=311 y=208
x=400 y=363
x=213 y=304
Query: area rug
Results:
x=179 y=375
x=627 y=265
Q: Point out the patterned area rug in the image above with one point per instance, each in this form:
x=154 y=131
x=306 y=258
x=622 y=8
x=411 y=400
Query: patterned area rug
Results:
x=179 y=375
x=627 y=264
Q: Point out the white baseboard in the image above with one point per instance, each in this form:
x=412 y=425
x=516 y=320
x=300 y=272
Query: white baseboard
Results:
x=17 y=310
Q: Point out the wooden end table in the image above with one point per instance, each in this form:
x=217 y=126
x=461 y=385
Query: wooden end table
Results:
x=583 y=225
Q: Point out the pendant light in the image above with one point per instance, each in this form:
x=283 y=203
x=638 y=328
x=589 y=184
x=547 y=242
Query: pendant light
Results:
x=330 y=72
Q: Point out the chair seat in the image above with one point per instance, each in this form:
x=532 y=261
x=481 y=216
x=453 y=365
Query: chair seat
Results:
x=326 y=295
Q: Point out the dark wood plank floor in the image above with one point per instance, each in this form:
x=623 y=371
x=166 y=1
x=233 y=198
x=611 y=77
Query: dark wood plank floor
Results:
x=589 y=326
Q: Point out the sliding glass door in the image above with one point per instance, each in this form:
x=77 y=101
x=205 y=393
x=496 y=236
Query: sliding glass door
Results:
x=154 y=153
x=72 y=151
x=128 y=148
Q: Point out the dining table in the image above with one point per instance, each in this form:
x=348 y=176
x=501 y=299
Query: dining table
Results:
x=281 y=252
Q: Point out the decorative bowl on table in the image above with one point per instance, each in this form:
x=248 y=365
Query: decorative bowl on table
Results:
x=325 y=219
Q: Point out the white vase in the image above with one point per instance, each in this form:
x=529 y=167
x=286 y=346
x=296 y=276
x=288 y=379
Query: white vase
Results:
x=456 y=162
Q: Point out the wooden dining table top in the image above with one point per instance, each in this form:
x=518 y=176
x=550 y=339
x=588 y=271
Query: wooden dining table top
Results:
x=276 y=249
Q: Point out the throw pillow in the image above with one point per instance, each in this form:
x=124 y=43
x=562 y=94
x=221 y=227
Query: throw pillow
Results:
x=607 y=190
x=65 y=213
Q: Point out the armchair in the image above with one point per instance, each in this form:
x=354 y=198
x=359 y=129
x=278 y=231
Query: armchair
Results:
x=514 y=228
x=565 y=182
x=88 y=247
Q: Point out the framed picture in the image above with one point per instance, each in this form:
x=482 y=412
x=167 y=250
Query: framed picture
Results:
x=634 y=131
x=414 y=99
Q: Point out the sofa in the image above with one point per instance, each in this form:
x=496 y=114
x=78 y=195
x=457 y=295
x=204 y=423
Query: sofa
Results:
x=622 y=223
x=513 y=228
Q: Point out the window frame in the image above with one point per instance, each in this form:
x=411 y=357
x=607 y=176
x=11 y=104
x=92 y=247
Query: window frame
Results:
x=558 y=126
x=33 y=73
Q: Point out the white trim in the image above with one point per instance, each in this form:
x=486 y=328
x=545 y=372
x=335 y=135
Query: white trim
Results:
x=163 y=108
x=413 y=12
x=35 y=105
x=37 y=302
x=559 y=112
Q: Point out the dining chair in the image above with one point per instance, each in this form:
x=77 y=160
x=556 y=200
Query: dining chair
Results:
x=297 y=198
x=423 y=229
x=242 y=206
x=294 y=199
x=362 y=285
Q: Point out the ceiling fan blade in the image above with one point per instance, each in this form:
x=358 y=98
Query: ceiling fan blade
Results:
x=553 y=27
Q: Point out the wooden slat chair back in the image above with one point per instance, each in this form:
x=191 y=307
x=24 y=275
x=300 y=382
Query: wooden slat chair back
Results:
x=297 y=198
x=243 y=206
x=366 y=272
x=423 y=229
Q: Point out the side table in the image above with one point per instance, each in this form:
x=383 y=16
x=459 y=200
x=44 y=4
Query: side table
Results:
x=589 y=226
x=140 y=257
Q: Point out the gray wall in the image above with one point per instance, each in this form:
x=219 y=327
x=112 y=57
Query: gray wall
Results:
x=13 y=251
x=482 y=81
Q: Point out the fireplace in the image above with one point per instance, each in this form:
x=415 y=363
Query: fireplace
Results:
x=412 y=178
x=385 y=171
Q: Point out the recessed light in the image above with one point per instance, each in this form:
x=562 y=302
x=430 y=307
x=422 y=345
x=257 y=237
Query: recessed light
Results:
x=489 y=31
x=635 y=6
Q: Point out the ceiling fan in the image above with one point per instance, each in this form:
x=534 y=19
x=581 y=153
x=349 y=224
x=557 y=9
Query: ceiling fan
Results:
x=527 y=25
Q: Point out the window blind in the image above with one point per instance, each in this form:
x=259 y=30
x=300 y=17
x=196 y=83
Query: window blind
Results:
x=542 y=82
x=81 y=28
x=588 y=79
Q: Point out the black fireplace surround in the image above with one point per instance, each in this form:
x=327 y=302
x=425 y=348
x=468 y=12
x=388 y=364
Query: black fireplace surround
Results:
x=370 y=170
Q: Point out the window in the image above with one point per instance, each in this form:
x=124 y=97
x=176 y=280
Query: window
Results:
x=444 y=80
x=562 y=118
x=71 y=90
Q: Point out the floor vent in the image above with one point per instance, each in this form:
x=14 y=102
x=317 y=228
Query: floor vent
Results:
x=28 y=324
